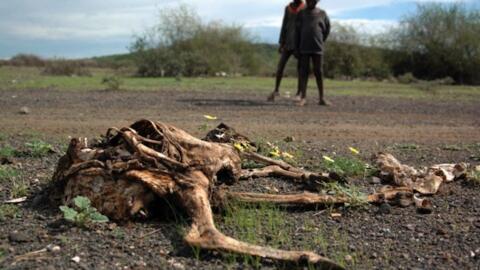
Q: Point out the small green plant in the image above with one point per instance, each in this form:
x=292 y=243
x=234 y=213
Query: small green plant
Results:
x=112 y=82
x=38 y=148
x=8 y=211
x=3 y=137
x=7 y=151
x=346 y=166
x=83 y=213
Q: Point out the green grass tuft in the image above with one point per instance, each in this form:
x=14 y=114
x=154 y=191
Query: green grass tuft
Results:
x=347 y=167
x=39 y=148
x=7 y=151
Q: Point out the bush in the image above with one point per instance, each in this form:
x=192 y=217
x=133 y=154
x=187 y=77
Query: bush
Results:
x=26 y=60
x=112 y=82
x=62 y=67
x=438 y=41
x=407 y=78
x=177 y=48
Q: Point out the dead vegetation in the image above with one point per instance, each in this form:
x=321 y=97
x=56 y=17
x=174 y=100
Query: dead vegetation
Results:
x=126 y=174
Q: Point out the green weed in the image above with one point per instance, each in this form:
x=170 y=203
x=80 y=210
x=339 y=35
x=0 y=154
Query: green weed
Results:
x=38 y=148
x=83 y=213
x=347 y=167
x=7 y=151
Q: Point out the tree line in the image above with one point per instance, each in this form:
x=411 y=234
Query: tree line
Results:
x=436 y=41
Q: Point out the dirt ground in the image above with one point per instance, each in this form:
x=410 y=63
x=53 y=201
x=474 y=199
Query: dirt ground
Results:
x=418 y=132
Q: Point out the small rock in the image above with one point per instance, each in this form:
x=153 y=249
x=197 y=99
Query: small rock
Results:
x=76 y=259
x=375 y=180
x=19 y=237
x=289 y=139
x=24 y=110
x=441 y=231
x=373 y=255
x=384 y=209
x=53 y=248
x=348 y=259
x=410 y=227
x=406 y=256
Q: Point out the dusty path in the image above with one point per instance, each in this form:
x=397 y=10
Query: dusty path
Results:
x=353 y=119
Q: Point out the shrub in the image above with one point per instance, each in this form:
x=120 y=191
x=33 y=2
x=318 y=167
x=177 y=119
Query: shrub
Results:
x=63 y=67
x=39 y=148
x=27 y=60
x=407 y=78
x=112 y=82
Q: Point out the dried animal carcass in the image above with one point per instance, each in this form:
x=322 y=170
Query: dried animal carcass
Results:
x=134 y=166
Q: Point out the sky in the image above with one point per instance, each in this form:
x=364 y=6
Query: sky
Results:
x=85 y=28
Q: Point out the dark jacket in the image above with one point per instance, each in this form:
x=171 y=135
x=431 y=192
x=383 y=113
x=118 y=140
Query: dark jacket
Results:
x=287 y=33
x=313 y=28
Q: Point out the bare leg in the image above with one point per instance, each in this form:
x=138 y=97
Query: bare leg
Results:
x=303 y=78
x=281 y=67
x=318 y=71
x=298 y=94
x=204 y=234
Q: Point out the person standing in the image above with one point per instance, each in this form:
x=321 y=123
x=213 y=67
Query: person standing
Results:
x=287 y=43
x=313 y=29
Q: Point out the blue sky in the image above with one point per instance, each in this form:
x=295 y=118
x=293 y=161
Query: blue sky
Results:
x=74 y=29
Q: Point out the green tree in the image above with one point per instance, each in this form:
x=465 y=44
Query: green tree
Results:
x=440 y=40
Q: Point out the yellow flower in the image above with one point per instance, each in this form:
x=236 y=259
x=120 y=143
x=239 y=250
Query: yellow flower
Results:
x=209 y=117
x=353 y=150
x=287 y=155
x=329 y=159
x=239 y=146
x=275 y=153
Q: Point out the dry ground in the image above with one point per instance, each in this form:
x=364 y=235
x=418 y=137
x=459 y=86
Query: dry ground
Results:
x=419 y=132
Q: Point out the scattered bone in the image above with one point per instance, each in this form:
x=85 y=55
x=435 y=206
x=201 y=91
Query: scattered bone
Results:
x=126 y=174
x=17 y=200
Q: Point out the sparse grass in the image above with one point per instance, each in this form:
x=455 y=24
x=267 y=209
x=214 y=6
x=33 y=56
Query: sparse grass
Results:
x=30 y=78
x=7 y=173
x=406 y=146
x=331 y=242
x=7 y=151
x=3 y=136
x=262 y=224
x=453 y=147
x=19 y=188
x=38 y=148
x=474 y=177
x=347 y=167
x=355 y=196
x=9 y=211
